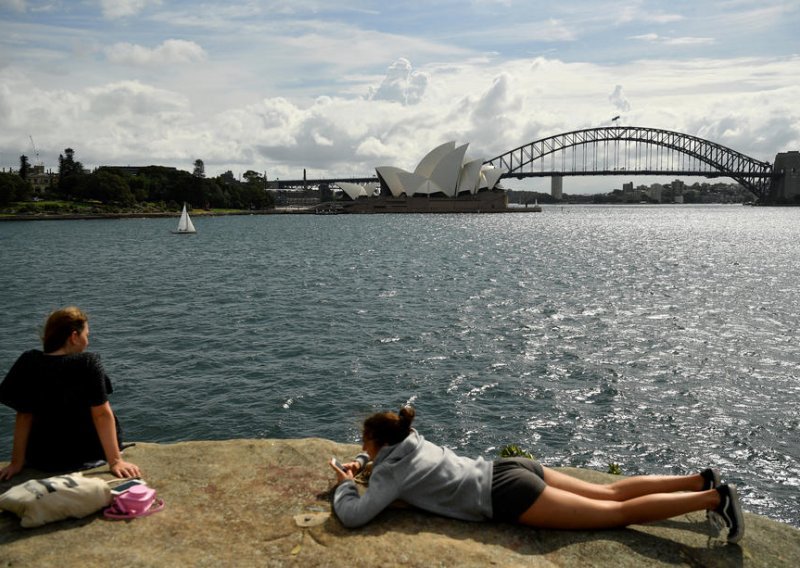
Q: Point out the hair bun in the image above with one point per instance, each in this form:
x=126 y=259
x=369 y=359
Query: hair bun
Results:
x=407 y=414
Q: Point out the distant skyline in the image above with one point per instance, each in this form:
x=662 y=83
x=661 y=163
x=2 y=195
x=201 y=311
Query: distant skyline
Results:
x=277 y=87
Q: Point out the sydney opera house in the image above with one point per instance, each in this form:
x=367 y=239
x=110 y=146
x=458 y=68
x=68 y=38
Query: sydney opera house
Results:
x=443 y=181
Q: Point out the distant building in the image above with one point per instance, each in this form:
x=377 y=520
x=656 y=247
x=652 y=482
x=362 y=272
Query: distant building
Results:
x=444 y=181
x=654 y=193
x=442 y=172
x=40 y=180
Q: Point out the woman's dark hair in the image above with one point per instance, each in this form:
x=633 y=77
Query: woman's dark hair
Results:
x=389 y=428
x=60 y=325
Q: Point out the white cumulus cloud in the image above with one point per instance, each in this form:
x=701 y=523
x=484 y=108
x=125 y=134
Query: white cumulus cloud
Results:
x=402 y=84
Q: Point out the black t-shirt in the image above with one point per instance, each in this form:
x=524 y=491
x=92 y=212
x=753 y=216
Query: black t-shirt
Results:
x=59 y=390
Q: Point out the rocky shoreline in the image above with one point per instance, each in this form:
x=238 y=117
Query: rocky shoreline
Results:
x=265 y=503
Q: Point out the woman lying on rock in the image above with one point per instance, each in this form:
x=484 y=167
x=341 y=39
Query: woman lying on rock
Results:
x=64 y=420
x=427 y=476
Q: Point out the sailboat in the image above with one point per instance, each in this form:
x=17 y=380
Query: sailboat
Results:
x=185 y=225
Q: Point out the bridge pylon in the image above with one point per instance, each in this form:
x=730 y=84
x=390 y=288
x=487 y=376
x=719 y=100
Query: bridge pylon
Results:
x=785 y=186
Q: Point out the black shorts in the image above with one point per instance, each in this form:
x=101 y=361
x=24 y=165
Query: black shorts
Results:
x=516 y=484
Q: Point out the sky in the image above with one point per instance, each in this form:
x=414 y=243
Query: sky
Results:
x=338 y=88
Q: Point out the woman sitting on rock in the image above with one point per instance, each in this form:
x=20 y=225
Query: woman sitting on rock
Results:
x=427 y=476
x=64 y=421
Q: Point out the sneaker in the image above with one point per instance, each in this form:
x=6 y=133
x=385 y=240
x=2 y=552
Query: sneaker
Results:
x=730 y=512
x=712 y=479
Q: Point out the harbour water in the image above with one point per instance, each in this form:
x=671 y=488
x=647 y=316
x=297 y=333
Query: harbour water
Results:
x=660 y=338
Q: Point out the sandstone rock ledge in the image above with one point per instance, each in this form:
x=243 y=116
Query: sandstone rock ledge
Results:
x=245 y=503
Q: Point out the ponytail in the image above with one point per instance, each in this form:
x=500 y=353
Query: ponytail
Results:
x=406 y=416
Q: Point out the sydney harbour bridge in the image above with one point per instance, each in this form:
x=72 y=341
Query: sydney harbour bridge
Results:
x=636 y=151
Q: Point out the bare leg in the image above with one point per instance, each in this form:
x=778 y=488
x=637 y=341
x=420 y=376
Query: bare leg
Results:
x=626 y=488
x=560 y=509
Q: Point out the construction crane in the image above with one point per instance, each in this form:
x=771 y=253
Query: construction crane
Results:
x=35 y=152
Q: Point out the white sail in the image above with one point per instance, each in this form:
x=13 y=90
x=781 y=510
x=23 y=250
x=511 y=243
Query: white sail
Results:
x=185 y=224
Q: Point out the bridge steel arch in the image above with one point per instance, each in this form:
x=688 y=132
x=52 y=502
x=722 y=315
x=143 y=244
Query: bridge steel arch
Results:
x=718 y=160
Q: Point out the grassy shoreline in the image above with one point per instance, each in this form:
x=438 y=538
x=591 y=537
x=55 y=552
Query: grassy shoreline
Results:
x=62 y=210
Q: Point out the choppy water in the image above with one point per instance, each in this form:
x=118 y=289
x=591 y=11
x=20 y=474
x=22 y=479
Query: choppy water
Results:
x=661 y=338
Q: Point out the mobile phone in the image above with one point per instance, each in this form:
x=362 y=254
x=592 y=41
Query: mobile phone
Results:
x=125 y=485
x=337 y=464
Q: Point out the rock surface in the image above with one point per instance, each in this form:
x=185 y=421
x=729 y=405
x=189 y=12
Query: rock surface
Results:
x=264 y=503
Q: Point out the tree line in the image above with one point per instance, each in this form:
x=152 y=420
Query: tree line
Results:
x=152 y=184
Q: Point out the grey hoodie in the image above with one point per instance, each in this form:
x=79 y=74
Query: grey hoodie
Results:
x=423 y=475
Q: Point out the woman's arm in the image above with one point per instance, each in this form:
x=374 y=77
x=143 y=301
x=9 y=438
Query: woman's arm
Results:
x=354 y=510
x=103 y=419
x=22 y=429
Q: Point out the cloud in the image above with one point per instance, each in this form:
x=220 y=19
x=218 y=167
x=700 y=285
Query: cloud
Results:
x=619 y=100
x=685 y=40
x=747 y=104
x=132 y=98
x=402 y=84
x=646 y=37
x=170 y=51
x=5 y=103
x=638 y=13
x=14 y=5
x=688 y=40
x=278 y=86
x=113 y=9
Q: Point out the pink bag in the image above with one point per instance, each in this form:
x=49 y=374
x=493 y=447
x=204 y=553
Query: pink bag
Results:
x=138 y=501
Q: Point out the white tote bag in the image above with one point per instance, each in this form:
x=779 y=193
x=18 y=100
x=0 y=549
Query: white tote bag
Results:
x=41 y=501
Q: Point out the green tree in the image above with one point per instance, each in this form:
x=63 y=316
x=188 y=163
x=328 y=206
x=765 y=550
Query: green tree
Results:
x=70 y=174
x=253 y=178
x=108 y=186
x=255 y=194
x=227 y=178
x=12 y=188
x=24 y=167
x=140 y=187
x=199 y=169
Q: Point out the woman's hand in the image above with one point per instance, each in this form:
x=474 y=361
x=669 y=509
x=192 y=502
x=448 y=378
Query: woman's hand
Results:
x=10 y=471
x=121 y=468
x=343 y=474
x=353 y=466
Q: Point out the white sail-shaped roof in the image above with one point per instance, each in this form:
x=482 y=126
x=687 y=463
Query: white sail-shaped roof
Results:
x=442 y=170
x=353 y=190
x=389 y=176
x=446 y=173
x=428 y=164
x=415 y=184
x=470 y=177
x=490 y=176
